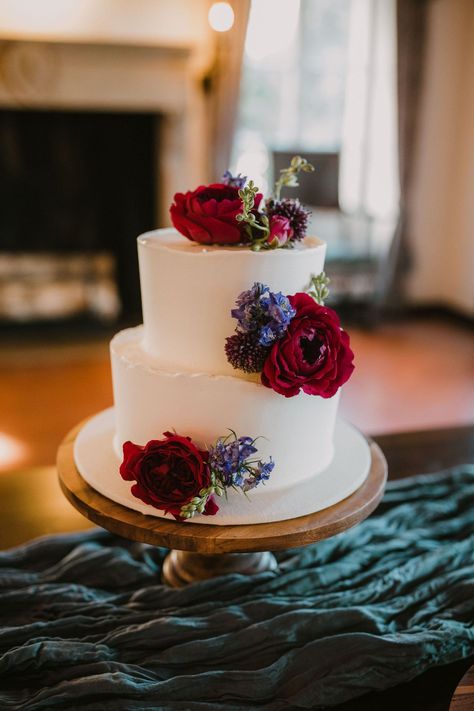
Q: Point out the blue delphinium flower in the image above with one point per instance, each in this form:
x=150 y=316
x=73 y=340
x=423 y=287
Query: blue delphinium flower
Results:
x=264 y=313
x=248 y=301
x=230 y=463
x=250 y=311
x=235 y=181
x=260 y=473
x=227 y=459
x=267 y=335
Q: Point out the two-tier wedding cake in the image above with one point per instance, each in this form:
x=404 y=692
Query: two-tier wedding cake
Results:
x=231 y=385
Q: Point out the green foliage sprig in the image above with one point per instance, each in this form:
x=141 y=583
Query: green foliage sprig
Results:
x=198 y=503
x=318 y=288
x=247 y=195
x=257 y=223
x=289 y=176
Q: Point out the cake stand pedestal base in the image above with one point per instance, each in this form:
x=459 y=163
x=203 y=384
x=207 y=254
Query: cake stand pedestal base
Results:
x=183 y=567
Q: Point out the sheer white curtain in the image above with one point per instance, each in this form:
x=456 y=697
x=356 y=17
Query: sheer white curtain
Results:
x=369 y=180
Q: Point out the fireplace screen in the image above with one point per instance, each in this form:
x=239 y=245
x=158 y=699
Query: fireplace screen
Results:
x=77 y=189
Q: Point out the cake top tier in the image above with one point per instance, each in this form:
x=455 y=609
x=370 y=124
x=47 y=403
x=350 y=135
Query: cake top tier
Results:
x=238 y=255
x=234 y=212
x=189 y=290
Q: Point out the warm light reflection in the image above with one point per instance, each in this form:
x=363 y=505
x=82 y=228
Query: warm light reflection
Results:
x=12 y=451
x=221 y=16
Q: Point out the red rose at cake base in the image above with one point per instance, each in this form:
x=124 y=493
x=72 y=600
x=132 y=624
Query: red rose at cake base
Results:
x=314 y=354
x=207 y=214
x=168 y=473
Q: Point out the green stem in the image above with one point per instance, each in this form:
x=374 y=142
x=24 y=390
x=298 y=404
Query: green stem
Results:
x=289 y=176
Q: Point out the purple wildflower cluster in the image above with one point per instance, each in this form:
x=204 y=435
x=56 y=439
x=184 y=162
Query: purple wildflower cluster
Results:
x=264 y=314
x=234 y=181
x=263 y=317
x=231 y=463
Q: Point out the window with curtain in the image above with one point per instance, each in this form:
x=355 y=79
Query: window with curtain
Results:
x=322 y=83
x=292 y=91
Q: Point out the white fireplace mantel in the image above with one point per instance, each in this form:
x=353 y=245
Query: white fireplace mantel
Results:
x=166 y=81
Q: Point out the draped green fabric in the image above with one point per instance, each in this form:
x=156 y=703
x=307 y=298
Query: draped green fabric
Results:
x=86 y=624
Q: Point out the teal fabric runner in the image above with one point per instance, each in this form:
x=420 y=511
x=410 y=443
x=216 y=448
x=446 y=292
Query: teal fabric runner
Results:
x=85 y=623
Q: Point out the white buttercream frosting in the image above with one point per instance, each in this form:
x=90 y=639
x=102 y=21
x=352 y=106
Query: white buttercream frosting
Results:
x=188 y=291
x=151 y=399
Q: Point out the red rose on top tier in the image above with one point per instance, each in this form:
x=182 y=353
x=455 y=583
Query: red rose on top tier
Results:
x=168 y=473
x=207 y=214
x=314 y=354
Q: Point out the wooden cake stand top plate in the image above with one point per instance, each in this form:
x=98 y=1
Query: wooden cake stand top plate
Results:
x=214 y=540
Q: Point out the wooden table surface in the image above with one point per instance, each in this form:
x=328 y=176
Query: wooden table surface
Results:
x=424 y=451
x=463 y=699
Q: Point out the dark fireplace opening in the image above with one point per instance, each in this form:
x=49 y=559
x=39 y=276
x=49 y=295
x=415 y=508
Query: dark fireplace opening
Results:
x=77 y=188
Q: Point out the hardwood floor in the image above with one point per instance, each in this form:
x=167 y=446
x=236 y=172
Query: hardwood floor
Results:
x=415 y=374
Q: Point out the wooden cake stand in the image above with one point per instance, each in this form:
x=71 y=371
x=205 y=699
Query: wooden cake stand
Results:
x=201 y=551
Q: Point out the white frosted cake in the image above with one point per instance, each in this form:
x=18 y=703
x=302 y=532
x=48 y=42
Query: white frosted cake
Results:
x=172 y=372
x=233 y=379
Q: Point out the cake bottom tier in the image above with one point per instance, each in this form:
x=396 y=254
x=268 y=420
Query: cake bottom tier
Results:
x=296 y=432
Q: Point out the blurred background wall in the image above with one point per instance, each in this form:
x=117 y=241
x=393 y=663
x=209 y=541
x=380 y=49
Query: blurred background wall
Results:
x=442 y=201
x=108 y=107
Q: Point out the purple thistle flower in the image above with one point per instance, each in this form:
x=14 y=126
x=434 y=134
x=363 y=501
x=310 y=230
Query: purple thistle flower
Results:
x=293 y=210
x=234 y=181
x=245 y=353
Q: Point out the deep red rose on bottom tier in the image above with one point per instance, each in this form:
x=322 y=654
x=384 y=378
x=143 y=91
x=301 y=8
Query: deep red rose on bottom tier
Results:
x=168 y=473
x=314 y=354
